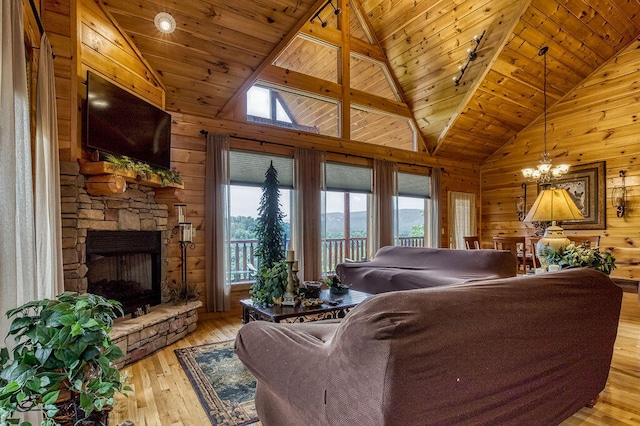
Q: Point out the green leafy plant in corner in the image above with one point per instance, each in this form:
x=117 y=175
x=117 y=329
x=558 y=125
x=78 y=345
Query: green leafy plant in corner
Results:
x=271 y=285
x=62 y=347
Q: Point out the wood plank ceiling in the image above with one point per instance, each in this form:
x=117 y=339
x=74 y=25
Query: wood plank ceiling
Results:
x=220 y=46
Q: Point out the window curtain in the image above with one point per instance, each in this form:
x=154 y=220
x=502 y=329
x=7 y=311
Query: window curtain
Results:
x=462 y=217
x=385 y=190
x=306 y=235
x=49 y=272
x=17 y=245
x=436 y=223
x=217 y=225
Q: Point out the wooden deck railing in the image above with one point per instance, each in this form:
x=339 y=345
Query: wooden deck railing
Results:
x=334 y=251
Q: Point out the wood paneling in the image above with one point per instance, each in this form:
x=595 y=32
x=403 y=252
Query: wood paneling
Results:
x=596 y=121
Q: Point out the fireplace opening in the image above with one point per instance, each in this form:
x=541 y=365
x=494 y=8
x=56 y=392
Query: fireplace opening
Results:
x=125 y=266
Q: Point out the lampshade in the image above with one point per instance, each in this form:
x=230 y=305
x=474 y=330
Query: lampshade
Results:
x=553 y=204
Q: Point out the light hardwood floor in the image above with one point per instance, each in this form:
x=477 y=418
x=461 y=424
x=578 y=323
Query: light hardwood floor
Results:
x=163 y=395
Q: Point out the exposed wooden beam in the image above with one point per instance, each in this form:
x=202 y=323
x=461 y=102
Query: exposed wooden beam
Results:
x=333 y=37
x=345 y=70
x=464 y=104
x=305 y=84
x=228 y=107
x=419 y=143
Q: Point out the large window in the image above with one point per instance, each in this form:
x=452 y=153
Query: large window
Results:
x=413 y=211
x=247 y=172
x=346 y=214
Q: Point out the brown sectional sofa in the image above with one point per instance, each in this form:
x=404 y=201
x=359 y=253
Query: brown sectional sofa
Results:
x=405 y=268
x=514 y=351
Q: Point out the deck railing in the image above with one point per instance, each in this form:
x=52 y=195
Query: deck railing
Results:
x=334 y=250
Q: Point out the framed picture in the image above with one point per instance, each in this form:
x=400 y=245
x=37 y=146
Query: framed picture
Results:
x=586 y=186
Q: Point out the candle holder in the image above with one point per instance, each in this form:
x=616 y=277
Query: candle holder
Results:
x=289 y=297
x=186 y=233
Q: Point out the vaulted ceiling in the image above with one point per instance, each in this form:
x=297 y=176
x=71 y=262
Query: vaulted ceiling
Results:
x=220 y=47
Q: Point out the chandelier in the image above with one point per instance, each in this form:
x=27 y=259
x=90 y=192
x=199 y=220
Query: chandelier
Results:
x=545 y=173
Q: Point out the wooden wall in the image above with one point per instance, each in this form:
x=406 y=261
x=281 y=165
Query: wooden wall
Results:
x=188 y=156
x=597 y=121
x=58 y=19
x=85 y=37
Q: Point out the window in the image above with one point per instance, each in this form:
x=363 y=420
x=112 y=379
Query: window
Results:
x=247 y=172
x=346 y=214
x=413 y=211
x=279 y=107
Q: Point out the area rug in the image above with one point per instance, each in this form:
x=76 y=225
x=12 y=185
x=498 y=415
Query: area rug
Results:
x=225 y=388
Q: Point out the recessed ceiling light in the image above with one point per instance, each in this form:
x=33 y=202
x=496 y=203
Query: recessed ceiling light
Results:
x=165 y=23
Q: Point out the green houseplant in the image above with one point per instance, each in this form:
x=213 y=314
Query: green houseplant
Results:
x=578 y=256
x=271 y=238
x=62 y=363
x=271 y=286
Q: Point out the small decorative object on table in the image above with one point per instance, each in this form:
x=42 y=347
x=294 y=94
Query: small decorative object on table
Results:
x=579 y=256
x=335 y=285
x=310 y=289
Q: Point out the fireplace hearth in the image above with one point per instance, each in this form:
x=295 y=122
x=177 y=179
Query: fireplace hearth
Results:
x=125 y=266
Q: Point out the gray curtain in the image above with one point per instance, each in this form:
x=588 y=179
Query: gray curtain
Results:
x=436 y=223
x=217 y=259
x=48 y=223
x=17 y=245
x=385 y=189
x=306 y=234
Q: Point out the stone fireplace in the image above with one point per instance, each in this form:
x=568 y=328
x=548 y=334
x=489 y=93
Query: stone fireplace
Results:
x=114 y=244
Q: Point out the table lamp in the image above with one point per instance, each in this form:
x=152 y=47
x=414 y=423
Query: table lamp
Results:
x=551 y=205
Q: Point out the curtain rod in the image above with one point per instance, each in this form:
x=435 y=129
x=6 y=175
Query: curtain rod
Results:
x=205 y=133
x=37 y=16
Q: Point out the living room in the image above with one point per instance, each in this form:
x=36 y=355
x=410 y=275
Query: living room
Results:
x=476 y=132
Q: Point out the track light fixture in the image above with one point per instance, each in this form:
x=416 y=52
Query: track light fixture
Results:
x=336 y=11
x=471 y=56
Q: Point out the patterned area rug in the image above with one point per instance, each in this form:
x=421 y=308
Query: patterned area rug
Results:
x=225 y=388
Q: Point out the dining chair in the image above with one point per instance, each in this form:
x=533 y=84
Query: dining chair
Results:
x=517 y=246
x=533 y=242
x=588 y=241
x=472 y=242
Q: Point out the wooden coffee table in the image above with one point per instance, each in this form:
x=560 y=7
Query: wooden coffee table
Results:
x=337 y=307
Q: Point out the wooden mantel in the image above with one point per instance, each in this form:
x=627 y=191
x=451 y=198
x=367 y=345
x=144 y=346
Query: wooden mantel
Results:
x=106 y=180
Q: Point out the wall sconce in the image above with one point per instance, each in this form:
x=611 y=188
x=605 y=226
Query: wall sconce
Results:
x=521 y=203
x=619 y=196
x=336 y=11
x=471 y=56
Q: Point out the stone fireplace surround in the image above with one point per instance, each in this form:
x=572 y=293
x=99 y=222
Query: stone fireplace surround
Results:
x=134 y=210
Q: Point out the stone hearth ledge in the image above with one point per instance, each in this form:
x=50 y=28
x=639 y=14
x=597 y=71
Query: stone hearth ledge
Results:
x=163 y=326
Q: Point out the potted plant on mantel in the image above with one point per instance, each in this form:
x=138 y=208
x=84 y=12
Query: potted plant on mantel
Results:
x=62 y=363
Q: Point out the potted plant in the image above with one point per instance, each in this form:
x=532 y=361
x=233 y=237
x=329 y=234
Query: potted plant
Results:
x=268 y=290
x=336 y=286
x=579 y=256
x=62 y=362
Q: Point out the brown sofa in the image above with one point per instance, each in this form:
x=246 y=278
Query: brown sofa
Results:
x=405 y=268
x=514 y=351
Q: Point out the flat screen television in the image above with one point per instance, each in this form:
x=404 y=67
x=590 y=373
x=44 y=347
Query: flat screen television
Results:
x=121 y=123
